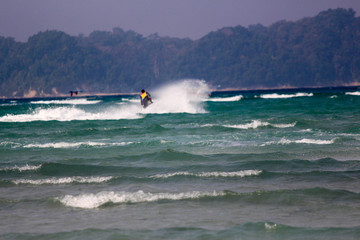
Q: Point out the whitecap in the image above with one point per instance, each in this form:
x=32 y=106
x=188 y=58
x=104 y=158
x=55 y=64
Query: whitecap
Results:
x=243 y=173
x=285 y=141
x=11 y=144
x=73 y=113
x=284 y=125
x=315 y=141
x=22 y=168
x=353 y=93
x=256 y=124
x=276 y=95
x=168 y=175
x=79 y=101
x=226 y=99
x=8 y=104
x=91 y=200
x=75 y=144
x=207 y=125
x=63 y=180
x=132 y=100
x=270 y=226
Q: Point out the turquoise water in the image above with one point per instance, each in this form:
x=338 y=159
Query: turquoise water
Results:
x=194 y=165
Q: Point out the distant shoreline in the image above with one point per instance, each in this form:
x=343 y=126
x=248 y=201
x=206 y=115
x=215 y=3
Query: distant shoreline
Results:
x=91 y=95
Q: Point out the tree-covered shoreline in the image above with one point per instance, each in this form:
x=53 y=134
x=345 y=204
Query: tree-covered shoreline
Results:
x=317 y=51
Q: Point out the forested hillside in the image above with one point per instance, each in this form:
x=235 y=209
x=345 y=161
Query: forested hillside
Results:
x=319 y=51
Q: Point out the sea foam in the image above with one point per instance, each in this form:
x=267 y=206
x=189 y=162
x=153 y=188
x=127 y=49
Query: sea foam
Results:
x=285 y=141
x=79 y=101
x=276 y=95
x=10 y=144
x=75 y=144
x=70 y=114
x=256 y=124
x=353 y=93
x=226 y=99
x=91 y=200
x=244 y=173
x=22 y=168
x=64 y=180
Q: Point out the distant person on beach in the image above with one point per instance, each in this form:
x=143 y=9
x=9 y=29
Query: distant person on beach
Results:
x=145 y=98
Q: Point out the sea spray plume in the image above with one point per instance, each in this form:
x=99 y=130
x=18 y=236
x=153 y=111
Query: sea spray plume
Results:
x=185 y=96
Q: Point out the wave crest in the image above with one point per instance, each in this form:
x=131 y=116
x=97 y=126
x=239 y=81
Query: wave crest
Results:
x=75 y=144
x=256 y=124
x=22 y=168
x=79 y=101
x=285 y=141
x=64 y=180
x=243 y=173
x=353 y=93
x=90 y=200
x=226 y=99
x=276 y=95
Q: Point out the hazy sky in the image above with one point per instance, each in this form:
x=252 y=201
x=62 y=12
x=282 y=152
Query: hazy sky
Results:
x=175 y=18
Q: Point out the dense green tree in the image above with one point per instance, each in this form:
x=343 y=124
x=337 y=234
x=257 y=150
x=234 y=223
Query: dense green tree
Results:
x=317 y=51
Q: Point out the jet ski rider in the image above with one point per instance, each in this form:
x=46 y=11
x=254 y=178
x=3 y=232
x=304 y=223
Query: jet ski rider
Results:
x=145 y=98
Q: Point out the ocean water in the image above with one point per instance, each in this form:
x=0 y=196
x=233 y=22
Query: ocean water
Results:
x=194 y=165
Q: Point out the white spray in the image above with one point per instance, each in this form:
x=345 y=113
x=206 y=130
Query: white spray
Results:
x=185 y=96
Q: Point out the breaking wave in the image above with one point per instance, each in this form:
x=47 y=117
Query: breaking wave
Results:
x=275 y=95
x=353 y=93
x=75 y=145
x=226 y=99
x=91 y=200
x=70 y=114
x=285 y=141
x=64 y=180
x=244 y=173
x=79 y=101
x=22 y=168
x=256 y=124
